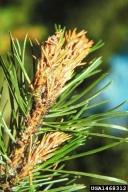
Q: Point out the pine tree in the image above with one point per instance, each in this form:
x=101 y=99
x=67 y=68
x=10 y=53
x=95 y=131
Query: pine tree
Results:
x=46 y=121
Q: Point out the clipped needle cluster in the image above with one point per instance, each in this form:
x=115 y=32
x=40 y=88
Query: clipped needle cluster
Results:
x=60 y=55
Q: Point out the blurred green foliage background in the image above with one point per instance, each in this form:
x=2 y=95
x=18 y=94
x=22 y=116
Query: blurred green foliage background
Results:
x=106 y=20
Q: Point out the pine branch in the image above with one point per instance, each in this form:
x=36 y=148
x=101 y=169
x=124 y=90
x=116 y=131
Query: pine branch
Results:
x=60 y=55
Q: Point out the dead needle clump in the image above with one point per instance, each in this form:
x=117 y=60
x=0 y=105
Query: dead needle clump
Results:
x=43 y=150
x=60 y=55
